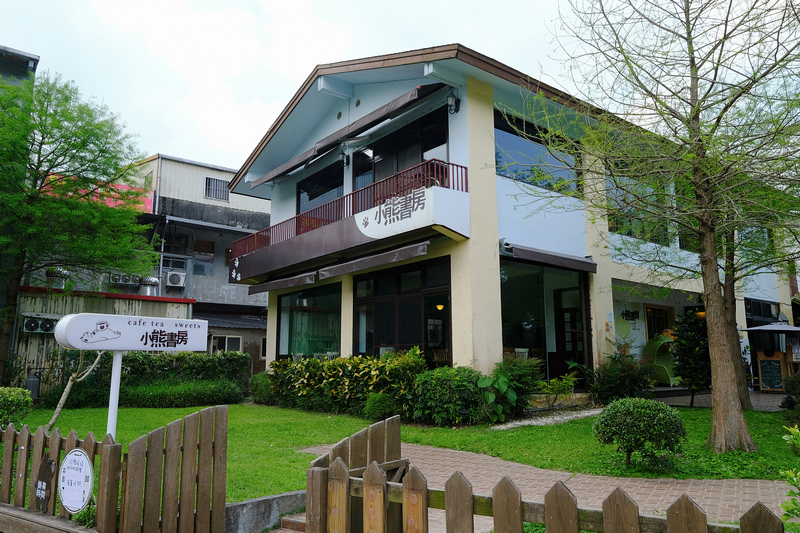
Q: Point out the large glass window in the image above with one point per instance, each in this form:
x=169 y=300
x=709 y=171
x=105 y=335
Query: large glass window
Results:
x=399 y=308
x=310 y=322
x=521 y=154
x=544 y=315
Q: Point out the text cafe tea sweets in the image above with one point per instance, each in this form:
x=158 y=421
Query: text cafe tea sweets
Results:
x=90 y=331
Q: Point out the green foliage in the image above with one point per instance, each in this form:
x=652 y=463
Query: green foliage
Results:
x=791 y=507
x=69 y=189
x=143 y=369
x=342 y=384
x=184 y=393
x=260 y=389
x=448 y=397
x=15 y=404
x=523 y=375
x=692 y=358
x=640 y=425
x=562 y=386
x=379 y=406
x=793 y=438
x=618 y=376
x=500 y=397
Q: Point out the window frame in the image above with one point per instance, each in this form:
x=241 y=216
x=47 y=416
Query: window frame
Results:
x=216 y=189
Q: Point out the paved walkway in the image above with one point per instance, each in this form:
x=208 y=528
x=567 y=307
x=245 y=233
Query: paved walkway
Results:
x=723 y=500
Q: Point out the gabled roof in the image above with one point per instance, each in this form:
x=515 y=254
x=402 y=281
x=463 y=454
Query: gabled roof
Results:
x=447 y=60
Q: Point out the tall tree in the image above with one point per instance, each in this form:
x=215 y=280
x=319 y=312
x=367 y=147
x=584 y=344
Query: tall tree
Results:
x=694 y=166
x=68 y=189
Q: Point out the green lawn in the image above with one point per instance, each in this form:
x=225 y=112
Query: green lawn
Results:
x=263 y=444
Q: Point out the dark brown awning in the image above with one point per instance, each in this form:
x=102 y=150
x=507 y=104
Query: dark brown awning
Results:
x=571 y=262
x=294 y=281
x=351 y=130
x=400 y=254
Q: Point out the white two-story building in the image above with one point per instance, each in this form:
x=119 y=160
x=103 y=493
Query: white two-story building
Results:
x=397 y=221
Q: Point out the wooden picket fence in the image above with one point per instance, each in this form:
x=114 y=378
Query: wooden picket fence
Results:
x=171 y=480
x=338 y=500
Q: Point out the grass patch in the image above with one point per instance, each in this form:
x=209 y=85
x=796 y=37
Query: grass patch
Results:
x=263 y=444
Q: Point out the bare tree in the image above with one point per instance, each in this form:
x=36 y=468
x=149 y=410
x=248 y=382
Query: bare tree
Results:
x=694 y=163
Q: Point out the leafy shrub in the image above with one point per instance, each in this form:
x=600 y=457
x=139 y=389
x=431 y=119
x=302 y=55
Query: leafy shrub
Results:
x=565 y=385
x=500 y=397
x=448 y=396
x=142 y=368
x=260 y=389
x=619 y=376
x=189 y=393
x=640 y=425
x=15 y=404
x=523 y=375
x=380 y=405
x=692 y=357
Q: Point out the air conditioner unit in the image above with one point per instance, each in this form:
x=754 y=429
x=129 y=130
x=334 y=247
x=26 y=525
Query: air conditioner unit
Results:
x=123 y=279
x=176 y=279
x=39 y=323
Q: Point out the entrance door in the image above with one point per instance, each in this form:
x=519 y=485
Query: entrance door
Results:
x=569 y=331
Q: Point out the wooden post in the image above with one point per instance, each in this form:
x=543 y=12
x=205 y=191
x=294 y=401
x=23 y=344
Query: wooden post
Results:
x=37 y=455
x=204 y=469
x=620 y=513
x=220 y=467
x=23 y=445
x=55 y=455
x=9 y=443
x=153 y=479
x=188 y=473
x=685 y=516
x=134 y=485
x=338 y=508
x=375 y=499
x=316 y=500
x=415 y=502
x=172 y=476
x=458 y=504
x=376 y=451
x=507 y=507
x=393 y=438
x=108 y=486
x=759 y=519
x=560 y=510
x=359 y=444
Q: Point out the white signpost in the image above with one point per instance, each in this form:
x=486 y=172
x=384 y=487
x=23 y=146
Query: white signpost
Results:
x=121 y=333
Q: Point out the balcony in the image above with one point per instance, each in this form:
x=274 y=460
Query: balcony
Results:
x=431 y=173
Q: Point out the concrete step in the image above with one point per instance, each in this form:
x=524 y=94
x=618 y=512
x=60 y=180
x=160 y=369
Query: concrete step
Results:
x=296 y=522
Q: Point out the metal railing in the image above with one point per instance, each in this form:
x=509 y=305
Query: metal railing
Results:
x=427 y=174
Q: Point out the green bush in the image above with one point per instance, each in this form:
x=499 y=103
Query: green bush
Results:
x=15 y=404
x=448 y=396
x=640 y=425
x=523 y=375
x=189 y=393
x=619 y=376
x=380 y=405
x=260 y=389
x=143 y=368
x=692 y=357
x=500 y=397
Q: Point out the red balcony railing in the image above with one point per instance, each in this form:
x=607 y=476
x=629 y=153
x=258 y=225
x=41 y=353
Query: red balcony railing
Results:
x=427 y=174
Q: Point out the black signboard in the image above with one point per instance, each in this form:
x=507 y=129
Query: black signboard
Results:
x=770 y=374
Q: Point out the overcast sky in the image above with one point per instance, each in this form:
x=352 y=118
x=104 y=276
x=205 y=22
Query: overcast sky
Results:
x=204 y=80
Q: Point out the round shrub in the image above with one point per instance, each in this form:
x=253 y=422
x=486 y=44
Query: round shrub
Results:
x=448 y=396
x=640 y=425
x=15 y=404
x=380 y=405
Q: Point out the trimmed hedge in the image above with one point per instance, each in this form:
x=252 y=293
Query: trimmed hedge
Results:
x=143 y=369
x=449 y=396
x=182 y=394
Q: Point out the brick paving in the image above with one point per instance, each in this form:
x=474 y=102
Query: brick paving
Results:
x=723 y=500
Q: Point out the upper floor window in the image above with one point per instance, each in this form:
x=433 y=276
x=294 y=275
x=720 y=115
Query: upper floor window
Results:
x=216 y=189
x=521 y=154
x=320 y=188
x=625 y=217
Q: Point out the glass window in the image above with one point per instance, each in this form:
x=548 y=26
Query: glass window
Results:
x=203 y=264
x=544 y=316
x=522 y=155
x=321 y=188
x=411 y=281
x=216 y=189
x=310 y=322
x=625 y=219
x=224 y=343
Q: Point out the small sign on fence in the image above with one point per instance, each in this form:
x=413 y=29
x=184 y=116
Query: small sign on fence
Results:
x=75 y=481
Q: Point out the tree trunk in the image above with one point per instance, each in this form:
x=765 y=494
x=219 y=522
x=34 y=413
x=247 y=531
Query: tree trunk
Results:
x=729 y=429
x=9 y=313
x=729 y=294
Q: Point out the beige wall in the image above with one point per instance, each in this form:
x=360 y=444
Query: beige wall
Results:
x=475 y=263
